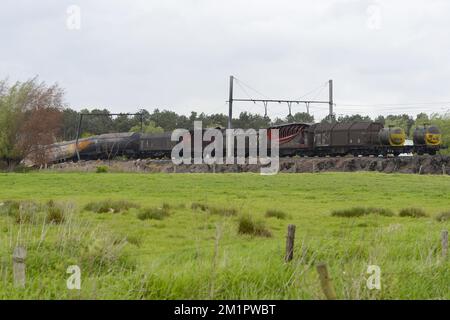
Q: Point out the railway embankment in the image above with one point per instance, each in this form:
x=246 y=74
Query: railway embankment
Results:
x=413 y=165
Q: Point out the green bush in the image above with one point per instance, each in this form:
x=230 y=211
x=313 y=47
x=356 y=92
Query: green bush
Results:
x=412 y=212
x=248 y=225
x=55 y=213
x=361 y=211
x=273 y=213
x=102 y=169
x=153 y=213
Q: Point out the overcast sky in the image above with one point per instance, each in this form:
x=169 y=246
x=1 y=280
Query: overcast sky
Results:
x=178 y=54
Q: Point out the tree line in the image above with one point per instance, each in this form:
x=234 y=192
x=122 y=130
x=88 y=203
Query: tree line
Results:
x=33 y=113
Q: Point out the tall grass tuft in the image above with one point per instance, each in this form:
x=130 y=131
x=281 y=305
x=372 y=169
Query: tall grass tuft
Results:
x=111 y=206
x=216 y=210
x=274 y=213
x=223 y=211
x=413 y=212
x=443 y=216
x=361 y=211
x=153 y=213
x=251 y=226
x=55 y=213
x=9 y=207
x=199 y=206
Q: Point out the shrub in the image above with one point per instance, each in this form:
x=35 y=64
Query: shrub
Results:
x=361 y=211
x=273 y=213
x=22 y=211
x=248 y=225
x=412 y=212
x=110 y=206
x=55 y=213
x=153 y=213
x=26 y=214
x=443 y=216
x=9 y=207
x=102 y=169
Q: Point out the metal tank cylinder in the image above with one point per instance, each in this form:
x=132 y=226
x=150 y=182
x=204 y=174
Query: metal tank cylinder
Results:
x=427 y=135
x=392 y=136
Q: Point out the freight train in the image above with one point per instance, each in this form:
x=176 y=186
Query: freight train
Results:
x=358 y=138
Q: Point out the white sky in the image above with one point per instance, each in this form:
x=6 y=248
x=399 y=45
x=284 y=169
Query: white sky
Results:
x=179 y=54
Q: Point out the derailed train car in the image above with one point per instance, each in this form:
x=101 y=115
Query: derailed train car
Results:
x=359 y=138
x=337 y=139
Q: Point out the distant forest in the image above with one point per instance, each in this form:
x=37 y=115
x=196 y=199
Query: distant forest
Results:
x=34 y=113
x=166 y=120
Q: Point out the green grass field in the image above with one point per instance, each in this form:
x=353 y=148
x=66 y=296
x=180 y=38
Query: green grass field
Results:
x=176 y=252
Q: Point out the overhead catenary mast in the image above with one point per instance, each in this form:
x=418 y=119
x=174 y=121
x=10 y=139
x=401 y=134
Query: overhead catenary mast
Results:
x=231 y=99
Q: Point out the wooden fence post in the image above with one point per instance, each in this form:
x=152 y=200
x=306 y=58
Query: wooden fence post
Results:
x=444 y=241
x=290 y=243
x=19 y=256
x=325 y=281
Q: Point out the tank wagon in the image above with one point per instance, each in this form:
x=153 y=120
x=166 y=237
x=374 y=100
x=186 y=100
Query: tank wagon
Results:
x=359 y=138
x=354 y=138
x=427 y=139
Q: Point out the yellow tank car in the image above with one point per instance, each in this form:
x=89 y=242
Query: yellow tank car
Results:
x=429 y=135
x=392 y=136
